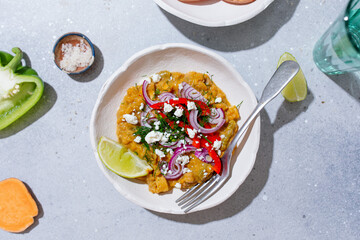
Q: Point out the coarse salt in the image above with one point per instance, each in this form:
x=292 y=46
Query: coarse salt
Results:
x=74 y=56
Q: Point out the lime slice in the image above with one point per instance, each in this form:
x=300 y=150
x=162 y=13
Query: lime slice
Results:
x=121 y=160
x=296 y=90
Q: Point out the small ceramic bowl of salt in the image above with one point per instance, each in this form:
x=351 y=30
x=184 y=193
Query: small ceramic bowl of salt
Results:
x=74 y=53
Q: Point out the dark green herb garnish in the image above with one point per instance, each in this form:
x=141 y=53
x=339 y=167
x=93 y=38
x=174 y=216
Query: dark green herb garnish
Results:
x=206 y=139
x=238 y=106
x=157 y=92
x=142 y=132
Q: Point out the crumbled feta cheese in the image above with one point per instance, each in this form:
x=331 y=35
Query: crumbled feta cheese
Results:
x=191 y=132
x=157 y=124
x=164 y=169
x=186 y=170
x=167 y=107
x=205 y=174
x=208 y=158
x=219 y=152
x=180 y=86
x=159 y=153
x=137 y=139
x=217 y=145
x=132 y=119
x=218 y=100
x=206 y=144
x=175 y=99
x=169 y=150
x=183 y=160
x=141 y=106
x=177 y=185
x=182 y=141
x=177 y=122
x=179 y=112
x=165 y=137
x=156 y=77
x=153 y=136
x=191 y=105
x=222 y=136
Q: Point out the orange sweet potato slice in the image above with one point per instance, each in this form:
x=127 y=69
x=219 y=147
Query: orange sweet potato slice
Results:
x=17 y=207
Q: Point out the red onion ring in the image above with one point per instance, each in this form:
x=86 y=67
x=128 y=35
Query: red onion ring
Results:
x=179 y=151
x=143 y=117
x=175 y=167
x=176 y=172
x=191 y=93
x=217 y=114
x=150 y=120
x=188 y=140
x=145 y=95
x=202 y=155
x=195 y=124
x=169 y=145
x=166 y=96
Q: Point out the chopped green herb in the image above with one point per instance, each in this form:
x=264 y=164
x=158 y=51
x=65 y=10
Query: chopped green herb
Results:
x=238 y=106
x=206 y=139
x=157 y=92
x=142 y=132
x=147 y=158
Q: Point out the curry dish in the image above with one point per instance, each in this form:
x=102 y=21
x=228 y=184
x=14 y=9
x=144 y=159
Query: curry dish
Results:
x=181 y=124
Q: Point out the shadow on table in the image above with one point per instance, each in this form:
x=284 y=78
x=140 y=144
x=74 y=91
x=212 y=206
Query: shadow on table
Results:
x=40 y=211
x=246 y=35
x=45 y=103
x=350 y=82
x=94 y=71
x=258 y=177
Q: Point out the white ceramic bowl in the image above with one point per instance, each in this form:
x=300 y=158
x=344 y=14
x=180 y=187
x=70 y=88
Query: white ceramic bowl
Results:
x=180 y=58
x=213 y=13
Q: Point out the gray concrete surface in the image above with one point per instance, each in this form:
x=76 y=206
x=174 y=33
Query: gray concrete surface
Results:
x=305 y=183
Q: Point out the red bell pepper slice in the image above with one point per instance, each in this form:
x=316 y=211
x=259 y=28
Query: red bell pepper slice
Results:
x=160 y=105
x=204 y=108
x=217 y=161
x=196 y=142
x=171 y=123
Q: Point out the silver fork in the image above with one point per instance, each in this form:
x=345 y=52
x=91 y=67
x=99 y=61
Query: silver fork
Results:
x=199 y=193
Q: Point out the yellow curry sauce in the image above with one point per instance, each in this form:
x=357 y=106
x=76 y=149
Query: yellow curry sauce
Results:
x=199 y=171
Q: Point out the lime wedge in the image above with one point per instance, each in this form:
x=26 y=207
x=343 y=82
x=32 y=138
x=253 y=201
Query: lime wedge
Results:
x=121 y=160
x=296 y=90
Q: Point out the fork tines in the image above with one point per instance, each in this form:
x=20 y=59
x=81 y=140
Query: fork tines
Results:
x=198 y=194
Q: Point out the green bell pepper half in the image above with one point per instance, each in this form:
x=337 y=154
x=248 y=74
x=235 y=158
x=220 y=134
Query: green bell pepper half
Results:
x=20 y=87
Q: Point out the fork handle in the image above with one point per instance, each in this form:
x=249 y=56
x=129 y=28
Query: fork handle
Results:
x=282 y=76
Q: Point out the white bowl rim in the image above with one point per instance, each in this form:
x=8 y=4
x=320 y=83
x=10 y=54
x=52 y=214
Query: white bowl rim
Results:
x=223 y=23
x=123 y=68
